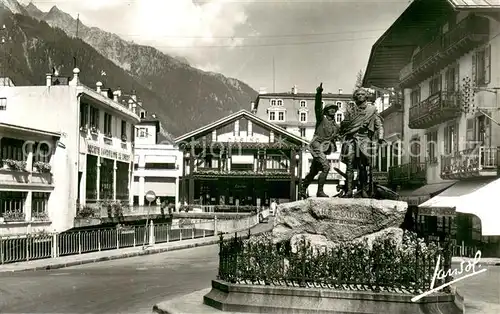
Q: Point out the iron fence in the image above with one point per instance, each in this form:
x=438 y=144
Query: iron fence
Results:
x=407 y=268
x=44 y=245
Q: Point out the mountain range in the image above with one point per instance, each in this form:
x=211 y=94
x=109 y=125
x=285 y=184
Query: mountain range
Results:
x=183 y=97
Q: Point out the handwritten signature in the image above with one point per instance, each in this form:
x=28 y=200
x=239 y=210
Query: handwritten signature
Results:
x=442 y=274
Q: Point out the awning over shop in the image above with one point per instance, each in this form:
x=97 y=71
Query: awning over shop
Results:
x=424 y=193
x=478 y=197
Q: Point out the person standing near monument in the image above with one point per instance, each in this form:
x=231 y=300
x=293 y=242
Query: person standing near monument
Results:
x=322 y=144
x=361 y=129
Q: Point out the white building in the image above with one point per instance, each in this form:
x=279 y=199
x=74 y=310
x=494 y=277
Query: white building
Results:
x=157 y=165
x=62 y=144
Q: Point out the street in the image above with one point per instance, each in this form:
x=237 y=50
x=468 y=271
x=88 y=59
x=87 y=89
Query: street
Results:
x=134 y=285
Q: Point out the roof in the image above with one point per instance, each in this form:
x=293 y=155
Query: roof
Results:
x=394 y=49
x=303 y=95
x=237 y=115
x=29 y=130
x=475 y=4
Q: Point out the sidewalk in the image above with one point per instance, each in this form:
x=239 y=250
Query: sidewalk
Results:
x=489 y=261
x=87 y=258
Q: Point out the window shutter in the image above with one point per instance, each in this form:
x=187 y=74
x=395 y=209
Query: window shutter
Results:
x=487 y=64
x=474 y=69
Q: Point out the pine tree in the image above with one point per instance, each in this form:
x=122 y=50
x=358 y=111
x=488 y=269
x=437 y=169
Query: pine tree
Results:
x=359 y=80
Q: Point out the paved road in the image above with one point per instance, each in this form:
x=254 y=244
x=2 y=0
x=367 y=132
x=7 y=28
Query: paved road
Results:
x=133 y=285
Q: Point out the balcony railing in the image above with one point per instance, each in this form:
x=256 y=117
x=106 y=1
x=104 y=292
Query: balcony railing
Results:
x=410 y=174
x=437 y=108
x=465 y=36
x=470 y=163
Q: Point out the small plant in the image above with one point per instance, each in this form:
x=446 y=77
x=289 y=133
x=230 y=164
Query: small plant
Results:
x=86 y=212
x=42 y=167
x=40 y=216
x=124 y=138
x=16 y=165
x=14 y=215
x=84 y=129
x=94 y=130
x=109 y=135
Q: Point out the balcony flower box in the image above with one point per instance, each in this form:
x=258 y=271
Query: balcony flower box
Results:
x=84 y=129
x=94 y=130
x=14 y=165
x=43 y=216
x=124 y=138
x=13 y=216
x=42 y=167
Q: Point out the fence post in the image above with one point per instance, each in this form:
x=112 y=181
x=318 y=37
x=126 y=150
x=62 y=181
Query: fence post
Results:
x=54 y=245
x=151 y=233
x=204 y=235
x=215 y=225
x=99 y=240
x=169 y=228
x=79 y=243
x=192 y=232
x=135 y=236
x=117 y=238
x=1 y=251
x=27 y=247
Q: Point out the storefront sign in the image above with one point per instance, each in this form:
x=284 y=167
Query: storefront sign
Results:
x=107 y=153
x=243 y=139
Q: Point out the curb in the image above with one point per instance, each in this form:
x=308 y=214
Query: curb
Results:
x=125 y=255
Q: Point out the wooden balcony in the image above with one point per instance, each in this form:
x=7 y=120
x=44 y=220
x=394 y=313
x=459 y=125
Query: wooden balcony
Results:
x=445 y=49
x=472 y=163
x=268 y=173
x=410 y=174
x=437 y=108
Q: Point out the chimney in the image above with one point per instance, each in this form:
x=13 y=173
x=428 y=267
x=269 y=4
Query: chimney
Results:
x=115 y=96
x=130 y=102
x=119 y=91
x=252 y=107
x=133 y=95
x=48 y=79
x=262 y=90
x=75 y=79
x=98 y=86
x=340 y=90
x=294 y=90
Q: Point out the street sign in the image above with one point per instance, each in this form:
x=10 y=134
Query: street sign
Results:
x=150 y=196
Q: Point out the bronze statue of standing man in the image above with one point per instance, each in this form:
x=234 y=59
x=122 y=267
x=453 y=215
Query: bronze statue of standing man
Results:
x=362 y=129
x=322 y=144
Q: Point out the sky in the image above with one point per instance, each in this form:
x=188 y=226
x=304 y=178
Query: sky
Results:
x=308 y=42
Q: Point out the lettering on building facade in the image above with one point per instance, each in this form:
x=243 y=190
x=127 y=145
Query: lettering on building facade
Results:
x=243 y=139
x=107 y=153
x=344 y=217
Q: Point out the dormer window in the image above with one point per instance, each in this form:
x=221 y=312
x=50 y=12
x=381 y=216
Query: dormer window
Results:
x=280 y=102
x=143 y=115
x=273 y=102
x=339 y=104
x=303 y=104
x=352 y=103
x=339 y=117
x=323 y=103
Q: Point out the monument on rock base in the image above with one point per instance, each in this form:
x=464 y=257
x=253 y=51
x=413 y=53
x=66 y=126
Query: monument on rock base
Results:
x=331 y=255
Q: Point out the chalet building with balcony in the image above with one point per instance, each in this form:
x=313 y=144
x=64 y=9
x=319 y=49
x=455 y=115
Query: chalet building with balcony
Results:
x=447 y=63
x=62 y=144
x=240 y=160
x=157 y=163
x=294 y=112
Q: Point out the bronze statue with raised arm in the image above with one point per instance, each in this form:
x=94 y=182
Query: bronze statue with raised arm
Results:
x=322 y=144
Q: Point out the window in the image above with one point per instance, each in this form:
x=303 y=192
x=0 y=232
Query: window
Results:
x=107 y=124
x=352 y=103
x=303 y=103
x=94 y=118
x=323 y=103
x=276 y=163
x=303 y=117
x=415 y=150
x=41 y=152
x=124 y=131
x=451 y=139
x=281 y=116
x=91 y=180
x=236 y=130
x=3 y=103
x=273 y=102
x=470 y=134
x=39 y=204
x=142 y=132
x=280 y=102
x=482 y=65
x=158 y=165
x=435 y=85
x=84 y=114
x=302 y=132
x=415 y=96
x=12 y=204
x=451 y=79
x=122 y=180
x=12 y=149
x=338 y=104
x=143 y=114
x=432 y=142
x=339 y=117
x=106 y=179
x=272 y=116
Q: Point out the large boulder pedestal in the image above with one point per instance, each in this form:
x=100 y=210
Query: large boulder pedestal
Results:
x=325 y=223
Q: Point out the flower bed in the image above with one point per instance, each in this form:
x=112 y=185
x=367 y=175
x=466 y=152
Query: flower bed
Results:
x=407 y=267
